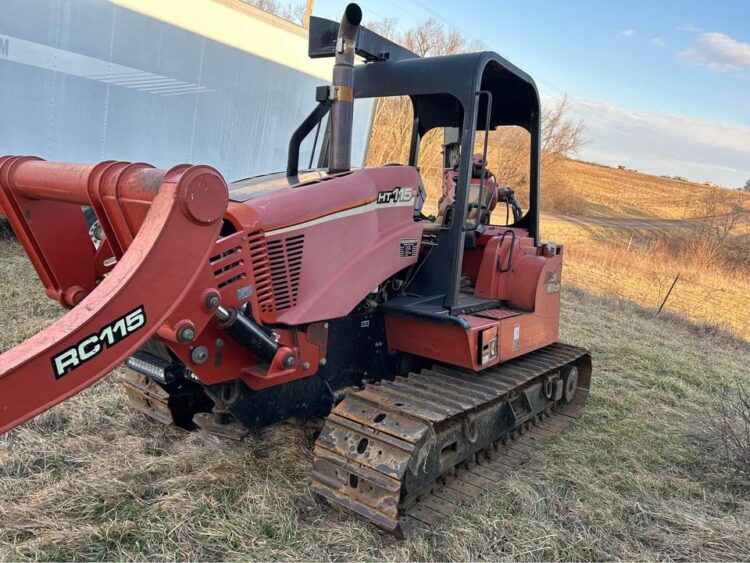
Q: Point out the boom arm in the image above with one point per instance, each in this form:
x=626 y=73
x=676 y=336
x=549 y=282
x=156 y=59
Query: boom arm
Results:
x=168 y=220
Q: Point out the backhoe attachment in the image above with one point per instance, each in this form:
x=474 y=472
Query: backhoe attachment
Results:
x=151 y=273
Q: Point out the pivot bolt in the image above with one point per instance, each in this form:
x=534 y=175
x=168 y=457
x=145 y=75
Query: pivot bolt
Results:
x=289 y=361
x=186 y=333
x=74 y=295
x=213 y=301
x=199 y=355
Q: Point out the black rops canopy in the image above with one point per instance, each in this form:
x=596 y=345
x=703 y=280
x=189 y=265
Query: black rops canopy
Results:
x=450 y=91
x=442 y=88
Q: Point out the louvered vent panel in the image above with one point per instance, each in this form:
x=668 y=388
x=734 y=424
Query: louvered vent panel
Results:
x=285 y=260
x=261 y=271
x=228 y=265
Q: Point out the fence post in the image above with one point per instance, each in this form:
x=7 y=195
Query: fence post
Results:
x=671 y=287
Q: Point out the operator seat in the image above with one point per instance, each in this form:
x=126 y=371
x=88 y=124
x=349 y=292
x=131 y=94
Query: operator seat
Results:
x=449 y=193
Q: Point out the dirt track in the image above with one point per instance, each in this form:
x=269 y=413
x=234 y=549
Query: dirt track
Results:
x=647 y=223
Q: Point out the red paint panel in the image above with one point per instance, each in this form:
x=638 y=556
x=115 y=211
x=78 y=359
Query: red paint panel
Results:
x=336 y=241
x=346 y=258
x=306 y=202
x=531 y=323
x=461 y=347
x=437 y=341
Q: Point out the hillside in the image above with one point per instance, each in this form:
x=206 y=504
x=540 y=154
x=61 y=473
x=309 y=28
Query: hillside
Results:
x=612 y=192
x=695 y=266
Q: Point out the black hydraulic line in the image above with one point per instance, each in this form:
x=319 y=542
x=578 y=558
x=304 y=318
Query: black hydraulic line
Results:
x=508 y=197
x=315 y=143
x=513 y=202
x=517 y=212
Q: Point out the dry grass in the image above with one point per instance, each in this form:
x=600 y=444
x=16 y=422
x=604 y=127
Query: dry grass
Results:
x=709 y=256
x=637 y=266
x=92 y=480
x=726 y=425
x=612 y=192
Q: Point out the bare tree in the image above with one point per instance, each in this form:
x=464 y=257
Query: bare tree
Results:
x=290 y=11
x=561 y=136
x=746 y=188
x=722 y=213
x=508 y=148
x=391 y=131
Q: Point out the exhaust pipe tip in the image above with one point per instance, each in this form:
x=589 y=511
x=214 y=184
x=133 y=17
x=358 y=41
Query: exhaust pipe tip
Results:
x=352 y=14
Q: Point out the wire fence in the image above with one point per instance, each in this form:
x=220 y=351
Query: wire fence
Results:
x=661 y=290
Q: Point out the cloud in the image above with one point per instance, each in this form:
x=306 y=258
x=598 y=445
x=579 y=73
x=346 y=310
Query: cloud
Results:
x=718 y=51
x=689 y=27
x=628 y=32
x=658 y=41
x=660 y=143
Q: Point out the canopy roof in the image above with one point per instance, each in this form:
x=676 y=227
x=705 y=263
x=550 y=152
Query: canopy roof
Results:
x=442 y=88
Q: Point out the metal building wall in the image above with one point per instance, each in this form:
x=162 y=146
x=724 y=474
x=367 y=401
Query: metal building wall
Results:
x=162 y=81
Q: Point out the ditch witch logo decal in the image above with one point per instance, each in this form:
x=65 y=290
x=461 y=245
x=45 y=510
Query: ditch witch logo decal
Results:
x=396 y=195
x=94 y=344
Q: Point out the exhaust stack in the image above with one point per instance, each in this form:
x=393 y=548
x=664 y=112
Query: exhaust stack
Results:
x=342 y=110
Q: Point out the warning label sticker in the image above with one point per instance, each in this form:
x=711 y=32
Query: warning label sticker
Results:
x=408 y=248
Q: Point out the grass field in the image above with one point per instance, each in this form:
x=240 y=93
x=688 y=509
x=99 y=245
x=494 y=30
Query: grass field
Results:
x=638 y=268
x=633 y=479
x=712 y=265
x=610 y=192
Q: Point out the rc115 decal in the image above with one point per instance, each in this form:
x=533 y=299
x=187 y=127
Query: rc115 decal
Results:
x=94 y=344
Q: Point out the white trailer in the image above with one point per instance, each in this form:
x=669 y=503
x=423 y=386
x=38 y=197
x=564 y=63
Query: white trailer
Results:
x=213 y=82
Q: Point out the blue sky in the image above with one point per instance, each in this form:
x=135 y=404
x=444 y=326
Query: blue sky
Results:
x=662 y=86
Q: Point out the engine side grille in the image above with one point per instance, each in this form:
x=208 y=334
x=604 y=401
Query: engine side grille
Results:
x=228 y=264
x=261 y=271
x=285 y=259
